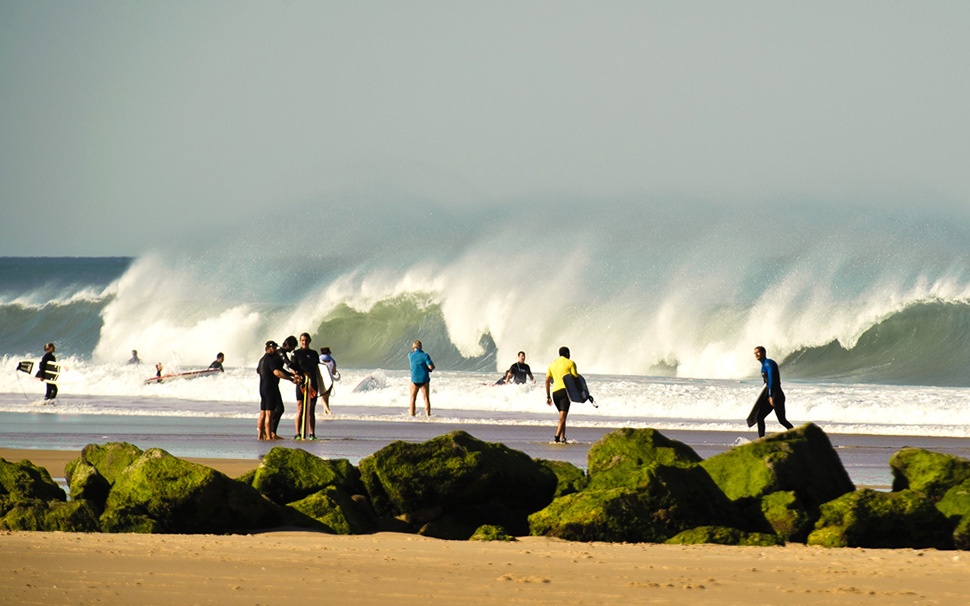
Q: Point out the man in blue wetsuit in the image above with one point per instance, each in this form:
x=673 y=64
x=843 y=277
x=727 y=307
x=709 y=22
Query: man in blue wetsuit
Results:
x=776 y=397
x=421 y=367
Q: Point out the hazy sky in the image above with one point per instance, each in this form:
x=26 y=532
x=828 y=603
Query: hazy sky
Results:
x=129 y=125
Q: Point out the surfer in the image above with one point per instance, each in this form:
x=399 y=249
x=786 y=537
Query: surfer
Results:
x=43 y=369
x=326 y=359
x=308 y=365
x=518 y=372
x=158 y=369
x=134 y=358
x=270 y=369
x=559 y=396
x=421 y=367
x=289 y=344
x=776 y=397
x=217 y=364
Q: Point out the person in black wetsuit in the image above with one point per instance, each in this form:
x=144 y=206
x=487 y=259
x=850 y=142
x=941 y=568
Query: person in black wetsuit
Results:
x=217 y=364
x=270 y=369
x=518 y=372
x=776 y=397
x=284 y=351
x=307 y=364
x=43 y=369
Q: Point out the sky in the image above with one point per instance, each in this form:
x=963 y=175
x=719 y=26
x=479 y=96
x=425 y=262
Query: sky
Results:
x=125 y=126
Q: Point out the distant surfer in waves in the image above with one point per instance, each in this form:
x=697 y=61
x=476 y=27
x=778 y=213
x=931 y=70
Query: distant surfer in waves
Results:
x=217 y=364
x=134 y=358
x=776 y=397
x=421 y=367
x=517 y=373
x=43 y=369
x=559 y=396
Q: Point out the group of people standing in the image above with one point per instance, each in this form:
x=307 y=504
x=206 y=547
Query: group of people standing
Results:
x=301 y=366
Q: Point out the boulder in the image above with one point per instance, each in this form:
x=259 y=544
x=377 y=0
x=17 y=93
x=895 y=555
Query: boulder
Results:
x=961 y=536
x=932 y=473
x=669 y=500
x=460 y=476
x=867 y=518
x=109 y=459
x=787 y=516
x=801 y=460
x=618 y=458
x=570 y=478
x=955 y=503
x=87 y=484
x=336 y=510
x=290 y=474
x=488 y=532
x=24 y=480
x=719 y=535
x=51 y=516
x=184 y=497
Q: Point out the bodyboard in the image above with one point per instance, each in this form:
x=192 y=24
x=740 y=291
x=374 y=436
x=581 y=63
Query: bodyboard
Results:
x=576 y=388
x=183 y=375
x=55 y=374
x=755 y=410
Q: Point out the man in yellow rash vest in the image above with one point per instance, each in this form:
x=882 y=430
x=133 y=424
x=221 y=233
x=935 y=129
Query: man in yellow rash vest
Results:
x=557 y=370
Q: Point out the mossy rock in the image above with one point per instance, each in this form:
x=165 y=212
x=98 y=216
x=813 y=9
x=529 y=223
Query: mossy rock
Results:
x=490 y=532
x=787 y=515
x=455 y=472
x=24 y=480
x=248 y=477
x=668 y=501
x=720 y=535
x=867 y=518
x=51 y=516
x=956 y=502
x=932 y=473
x=961 y=536
x=570 y=478
x=618 y=458
x=287 y=475
x=130 y=520
x=336 y=510
x=185 y=497
x=800 y=460
x=89 y=485
x=448 y=527
x=110 y=459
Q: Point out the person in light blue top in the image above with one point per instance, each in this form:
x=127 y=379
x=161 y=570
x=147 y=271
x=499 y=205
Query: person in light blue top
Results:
x=421 y=367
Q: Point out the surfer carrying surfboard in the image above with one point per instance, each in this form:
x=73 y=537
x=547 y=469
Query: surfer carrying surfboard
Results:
x=46 y=367
x=308 y=364
x=560 y=396
x=776 y=397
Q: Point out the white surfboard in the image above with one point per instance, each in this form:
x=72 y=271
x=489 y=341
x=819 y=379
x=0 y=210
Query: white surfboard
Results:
x=56 y=373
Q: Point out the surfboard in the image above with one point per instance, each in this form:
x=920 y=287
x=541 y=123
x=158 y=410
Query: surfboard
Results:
x=195 y=374
x=761 y=401
x=326 y=379
x=56 y=373
x=368 y=383
x=577 y=390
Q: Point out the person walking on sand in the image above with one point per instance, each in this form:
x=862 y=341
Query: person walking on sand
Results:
x=559 y=396
x=46 y=366
x=270 y=369
x=776 y=397
x=421 y=367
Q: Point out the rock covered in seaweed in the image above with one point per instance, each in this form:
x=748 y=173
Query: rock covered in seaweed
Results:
x=24 y=480
x=719 y=535
x=618 y=458
x=290 y=474
x=932 y=473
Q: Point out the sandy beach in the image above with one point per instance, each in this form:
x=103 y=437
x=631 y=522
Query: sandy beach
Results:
x=279 y=567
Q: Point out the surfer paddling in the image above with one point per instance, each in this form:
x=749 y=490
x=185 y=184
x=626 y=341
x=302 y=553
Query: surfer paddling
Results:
x=560 y=396
x=421 y=367
x=776 y=397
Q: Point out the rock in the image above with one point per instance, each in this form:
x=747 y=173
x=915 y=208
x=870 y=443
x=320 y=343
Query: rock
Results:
x=961 y=536
x=457 y=475
x=619 y=457
x=932 y=473
x=866 y=518
x=24 y=480
x=290 y=474
x=955 y=503
x=787 y=516
x=719 y=535
x=800 y=460
x=51 y=516
x=183 y=497
x=87 y=484
x=488 y=532
x=109 y=459
x=570 y=478
x=449 y=527
x=336 y=510
x=668 y=501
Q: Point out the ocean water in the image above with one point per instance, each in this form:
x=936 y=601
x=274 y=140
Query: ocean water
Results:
x=867 y=312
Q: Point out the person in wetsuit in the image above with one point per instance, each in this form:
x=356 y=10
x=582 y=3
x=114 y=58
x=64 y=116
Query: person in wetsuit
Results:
x=45 y=367
x=776 y=397
x=270 y=369
x=283 y=351
x=518 y=372
x=307 y=364
x=217 y=364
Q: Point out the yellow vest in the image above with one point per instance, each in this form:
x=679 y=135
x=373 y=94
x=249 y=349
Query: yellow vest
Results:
x=558 y=369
